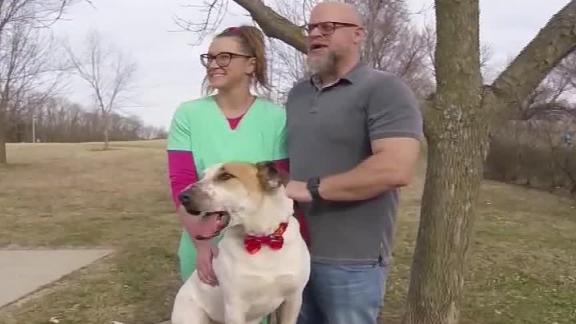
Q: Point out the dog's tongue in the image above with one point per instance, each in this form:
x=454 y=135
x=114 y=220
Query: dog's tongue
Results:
x=210 y=225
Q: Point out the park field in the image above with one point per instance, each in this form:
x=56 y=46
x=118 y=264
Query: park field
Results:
x=522 y=267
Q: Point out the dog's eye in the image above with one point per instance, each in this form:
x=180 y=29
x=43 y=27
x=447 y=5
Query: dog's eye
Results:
x=225 y=176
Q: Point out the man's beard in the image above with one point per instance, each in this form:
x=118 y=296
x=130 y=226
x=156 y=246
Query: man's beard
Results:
x=323 y=65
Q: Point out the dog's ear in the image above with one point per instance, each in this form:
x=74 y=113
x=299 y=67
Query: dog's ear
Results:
x=270 y=176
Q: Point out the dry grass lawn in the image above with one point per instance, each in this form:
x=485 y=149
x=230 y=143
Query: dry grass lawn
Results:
x=522 y=270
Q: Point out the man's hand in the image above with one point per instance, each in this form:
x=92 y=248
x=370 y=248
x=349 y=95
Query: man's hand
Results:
x=297 y=191
x=207 y=251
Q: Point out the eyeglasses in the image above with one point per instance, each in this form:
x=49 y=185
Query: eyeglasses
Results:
x=223 y=59
x=326 y=27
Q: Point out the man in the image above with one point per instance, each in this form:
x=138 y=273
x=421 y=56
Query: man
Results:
x=353 y=140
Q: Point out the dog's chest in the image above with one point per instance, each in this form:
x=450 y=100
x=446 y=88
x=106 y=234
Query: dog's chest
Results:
x=254 y=287
x=266 y=272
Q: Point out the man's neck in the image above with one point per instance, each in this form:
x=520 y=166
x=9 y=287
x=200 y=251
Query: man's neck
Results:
x=234 y=102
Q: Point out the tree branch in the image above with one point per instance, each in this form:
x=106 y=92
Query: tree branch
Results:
x=273 y=24
x=552 y=44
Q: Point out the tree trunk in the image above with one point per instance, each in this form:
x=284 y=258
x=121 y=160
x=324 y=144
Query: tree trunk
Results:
x=457 y=133
x=3 y=136
x=448 y=205
x=106 y=131
x=106 y=140
x=3 y=155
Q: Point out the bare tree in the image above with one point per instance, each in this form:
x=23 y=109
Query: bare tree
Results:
x=458 y=121
x=393 y=44
x=551 y=99
x=108 y=73
x=27 y=68
x=35 y=13
x=22 y=57
x=557 y=86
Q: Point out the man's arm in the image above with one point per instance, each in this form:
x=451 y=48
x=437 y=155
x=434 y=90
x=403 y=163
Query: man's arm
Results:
x=394 y=124
x=394 y=128
x=391 y=166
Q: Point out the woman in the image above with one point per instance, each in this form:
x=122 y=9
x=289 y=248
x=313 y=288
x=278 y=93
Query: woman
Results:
x=232 y=124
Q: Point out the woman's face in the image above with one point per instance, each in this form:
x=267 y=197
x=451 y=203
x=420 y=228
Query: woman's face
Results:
x=227 y=65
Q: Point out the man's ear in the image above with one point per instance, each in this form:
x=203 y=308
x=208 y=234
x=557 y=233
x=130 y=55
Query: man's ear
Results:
x=270 y=177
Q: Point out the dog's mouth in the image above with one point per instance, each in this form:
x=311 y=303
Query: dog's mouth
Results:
x=215 y=221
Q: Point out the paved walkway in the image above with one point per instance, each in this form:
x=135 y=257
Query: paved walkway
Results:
x=25 y=271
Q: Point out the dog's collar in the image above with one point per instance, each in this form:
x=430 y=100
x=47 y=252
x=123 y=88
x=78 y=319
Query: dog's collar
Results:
x=275 y=241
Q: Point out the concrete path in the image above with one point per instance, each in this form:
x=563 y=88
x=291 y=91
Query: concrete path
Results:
x=25 y=271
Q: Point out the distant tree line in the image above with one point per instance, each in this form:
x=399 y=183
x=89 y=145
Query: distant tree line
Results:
x=59 y=120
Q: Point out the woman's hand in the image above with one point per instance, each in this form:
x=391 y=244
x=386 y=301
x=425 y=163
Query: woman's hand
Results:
x=207 y=251
x=200 y=227
x=201 y=230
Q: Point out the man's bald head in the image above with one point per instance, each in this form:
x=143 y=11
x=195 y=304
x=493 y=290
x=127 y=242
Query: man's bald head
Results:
x=335 y=11
x=334 y=39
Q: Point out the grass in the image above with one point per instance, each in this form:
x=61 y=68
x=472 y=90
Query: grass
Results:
x=521 y=268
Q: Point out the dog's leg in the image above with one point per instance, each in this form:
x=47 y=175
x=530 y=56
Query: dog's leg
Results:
x=290 y=308
x=234 y=313
x=187 y=311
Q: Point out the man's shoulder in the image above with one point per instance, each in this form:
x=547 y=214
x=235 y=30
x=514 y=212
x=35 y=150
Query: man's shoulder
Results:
x=384 y=84
x=382 y=77
x=302 y=84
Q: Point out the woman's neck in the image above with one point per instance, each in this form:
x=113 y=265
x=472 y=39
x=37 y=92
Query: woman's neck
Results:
x=234 y=102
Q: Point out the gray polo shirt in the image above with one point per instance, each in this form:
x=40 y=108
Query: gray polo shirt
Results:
x=329 y=131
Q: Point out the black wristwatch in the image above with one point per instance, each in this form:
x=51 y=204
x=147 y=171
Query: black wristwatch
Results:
x=313 y=185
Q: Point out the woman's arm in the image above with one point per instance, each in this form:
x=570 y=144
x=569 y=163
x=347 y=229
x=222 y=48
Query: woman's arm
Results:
x=284 y=167
x=181 y=171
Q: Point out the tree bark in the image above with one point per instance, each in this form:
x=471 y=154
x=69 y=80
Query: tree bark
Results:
x=274 y=25
x=457 y=134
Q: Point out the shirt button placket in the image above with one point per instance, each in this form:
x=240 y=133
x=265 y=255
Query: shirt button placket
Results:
x=315 y=101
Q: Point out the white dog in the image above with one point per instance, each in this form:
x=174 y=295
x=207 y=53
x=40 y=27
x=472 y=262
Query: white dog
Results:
x=263 y=262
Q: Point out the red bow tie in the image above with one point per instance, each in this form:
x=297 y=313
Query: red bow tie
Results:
x=275 y=240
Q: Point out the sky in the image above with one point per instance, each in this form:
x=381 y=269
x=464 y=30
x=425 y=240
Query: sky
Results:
x=169 y=69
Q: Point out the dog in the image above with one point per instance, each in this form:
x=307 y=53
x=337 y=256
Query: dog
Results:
x=263 y=262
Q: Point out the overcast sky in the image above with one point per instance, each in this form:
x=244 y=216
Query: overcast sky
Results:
x=169 y=69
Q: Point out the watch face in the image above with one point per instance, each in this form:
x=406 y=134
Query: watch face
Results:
x=313 y=184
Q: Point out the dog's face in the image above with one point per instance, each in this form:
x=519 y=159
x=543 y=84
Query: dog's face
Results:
x=232 y=190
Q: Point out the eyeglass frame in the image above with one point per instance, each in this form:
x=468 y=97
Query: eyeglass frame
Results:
x=309 y=28
x=209 y=58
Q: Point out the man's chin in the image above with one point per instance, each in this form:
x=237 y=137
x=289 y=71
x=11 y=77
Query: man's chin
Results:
x=320 y=65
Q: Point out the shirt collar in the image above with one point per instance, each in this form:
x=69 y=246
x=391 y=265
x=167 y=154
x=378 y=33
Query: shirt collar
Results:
x=353 y=76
